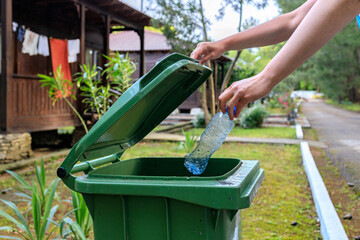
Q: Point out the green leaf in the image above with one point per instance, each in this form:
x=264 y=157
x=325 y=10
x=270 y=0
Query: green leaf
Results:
x=21 y=180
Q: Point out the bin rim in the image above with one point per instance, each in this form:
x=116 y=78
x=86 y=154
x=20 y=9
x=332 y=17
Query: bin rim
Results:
x=136 y=113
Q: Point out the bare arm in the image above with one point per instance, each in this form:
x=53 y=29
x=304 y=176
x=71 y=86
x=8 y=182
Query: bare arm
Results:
x=323 y=21
x=271 y=32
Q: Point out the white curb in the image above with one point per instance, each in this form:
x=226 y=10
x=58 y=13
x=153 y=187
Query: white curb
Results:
x=299 y=132
x=330 y=224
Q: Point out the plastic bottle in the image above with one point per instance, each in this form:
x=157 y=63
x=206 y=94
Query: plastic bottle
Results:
x=211 y=139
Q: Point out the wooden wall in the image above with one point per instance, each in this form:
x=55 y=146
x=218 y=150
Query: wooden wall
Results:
x=29 y=106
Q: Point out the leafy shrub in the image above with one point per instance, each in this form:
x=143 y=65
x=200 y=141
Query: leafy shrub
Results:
x=199 y=121
x=253 y=117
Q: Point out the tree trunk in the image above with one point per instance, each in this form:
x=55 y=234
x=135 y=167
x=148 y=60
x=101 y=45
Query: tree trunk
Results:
x=212 y=92
x=211 y=79
x=229 y=71
x=204 y=104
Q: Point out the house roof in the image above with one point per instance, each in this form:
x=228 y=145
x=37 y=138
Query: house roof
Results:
x=129 y=41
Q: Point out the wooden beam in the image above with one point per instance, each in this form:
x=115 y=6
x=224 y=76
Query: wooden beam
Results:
x=6 y=59
x=107 y=35
x=82 y=34
x=142 y=52
x=113 y=16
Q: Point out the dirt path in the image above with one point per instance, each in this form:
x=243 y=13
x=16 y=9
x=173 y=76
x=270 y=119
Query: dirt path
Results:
x=340 y=130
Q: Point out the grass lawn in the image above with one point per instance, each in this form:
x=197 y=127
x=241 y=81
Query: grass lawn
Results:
x=265 y=132
x=354 y=107
x=283 y=197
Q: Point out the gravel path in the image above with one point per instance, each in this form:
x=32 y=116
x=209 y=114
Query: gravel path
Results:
x=340 y=130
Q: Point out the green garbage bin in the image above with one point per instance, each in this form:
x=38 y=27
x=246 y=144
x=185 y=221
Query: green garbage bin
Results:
x=157 y=198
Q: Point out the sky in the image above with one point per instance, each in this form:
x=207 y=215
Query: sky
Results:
x=229 y=24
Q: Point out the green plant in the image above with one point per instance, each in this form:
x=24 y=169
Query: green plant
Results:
x=82 y=215
x=118 y=70
x=253 y=117
x=60 y=88
x=199 y=121
x=26 y=189
x=190 y=141
x=97 y=97
x=42 y=216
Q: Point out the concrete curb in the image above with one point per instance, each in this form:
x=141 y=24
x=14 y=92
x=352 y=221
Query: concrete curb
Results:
x=330 y=224
x=299 y=132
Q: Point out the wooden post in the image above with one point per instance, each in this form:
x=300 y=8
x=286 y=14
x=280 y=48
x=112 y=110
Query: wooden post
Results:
x=82 y=34
x=142 y=51
x=6 y=59
x=107 y=35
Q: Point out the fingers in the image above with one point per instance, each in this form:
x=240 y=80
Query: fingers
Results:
x=223 y=98
x=199 y=51
x=203 y=52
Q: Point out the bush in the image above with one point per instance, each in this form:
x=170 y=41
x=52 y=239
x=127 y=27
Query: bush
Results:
x=253 y=117
x=199 y=121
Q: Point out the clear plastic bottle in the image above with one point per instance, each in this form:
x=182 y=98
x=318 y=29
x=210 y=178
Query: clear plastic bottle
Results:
x=211 y=139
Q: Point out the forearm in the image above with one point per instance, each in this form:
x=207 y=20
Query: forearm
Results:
x=324 y=20
x=269 y=33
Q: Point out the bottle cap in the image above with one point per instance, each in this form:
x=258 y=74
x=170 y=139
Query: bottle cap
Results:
x=227 y=110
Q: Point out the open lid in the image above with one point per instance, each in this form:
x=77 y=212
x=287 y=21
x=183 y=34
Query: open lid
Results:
x=139 y=110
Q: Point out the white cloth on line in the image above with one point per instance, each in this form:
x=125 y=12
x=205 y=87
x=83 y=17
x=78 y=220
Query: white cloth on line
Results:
x=14 y=26
x=30 y=43
x=73 y=50
x=43 y=46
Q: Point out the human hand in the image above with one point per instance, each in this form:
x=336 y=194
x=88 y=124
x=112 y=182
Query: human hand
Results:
x=206 y=51
x=242 y=92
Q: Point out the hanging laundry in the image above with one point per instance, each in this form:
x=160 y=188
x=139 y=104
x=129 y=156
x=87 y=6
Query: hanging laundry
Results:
x=21 y=33
x=43 y=46
x=59 y=56
x=30 y=44
x=74 y=49
x=14 y=26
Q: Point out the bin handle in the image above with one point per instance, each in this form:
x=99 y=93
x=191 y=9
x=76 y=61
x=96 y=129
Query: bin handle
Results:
x=68 y=167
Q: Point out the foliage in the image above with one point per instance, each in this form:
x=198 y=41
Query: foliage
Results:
x=80 y=228
x=26 y=189
x=199 y=120
x=253 y=117
x=42 y=216
x=190 y=141
x=334 y=69
x=60 y=88
x=40 y=199
x=82 y=215
x=118 y=71
x=179 y=22
x=96 y=95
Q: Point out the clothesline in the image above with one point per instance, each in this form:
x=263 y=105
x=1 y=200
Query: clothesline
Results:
x=35 y=44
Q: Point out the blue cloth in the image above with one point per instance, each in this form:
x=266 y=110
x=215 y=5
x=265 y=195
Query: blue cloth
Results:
x=358 y=19
x=21 y=33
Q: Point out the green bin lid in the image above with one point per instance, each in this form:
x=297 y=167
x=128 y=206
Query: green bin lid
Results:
x=138 y=110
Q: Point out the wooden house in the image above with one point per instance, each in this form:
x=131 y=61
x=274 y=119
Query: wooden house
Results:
x=24 y=105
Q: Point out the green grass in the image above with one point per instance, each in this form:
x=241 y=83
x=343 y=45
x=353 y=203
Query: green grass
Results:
x=354 y=107
x=283 y=197
x=266 y=132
